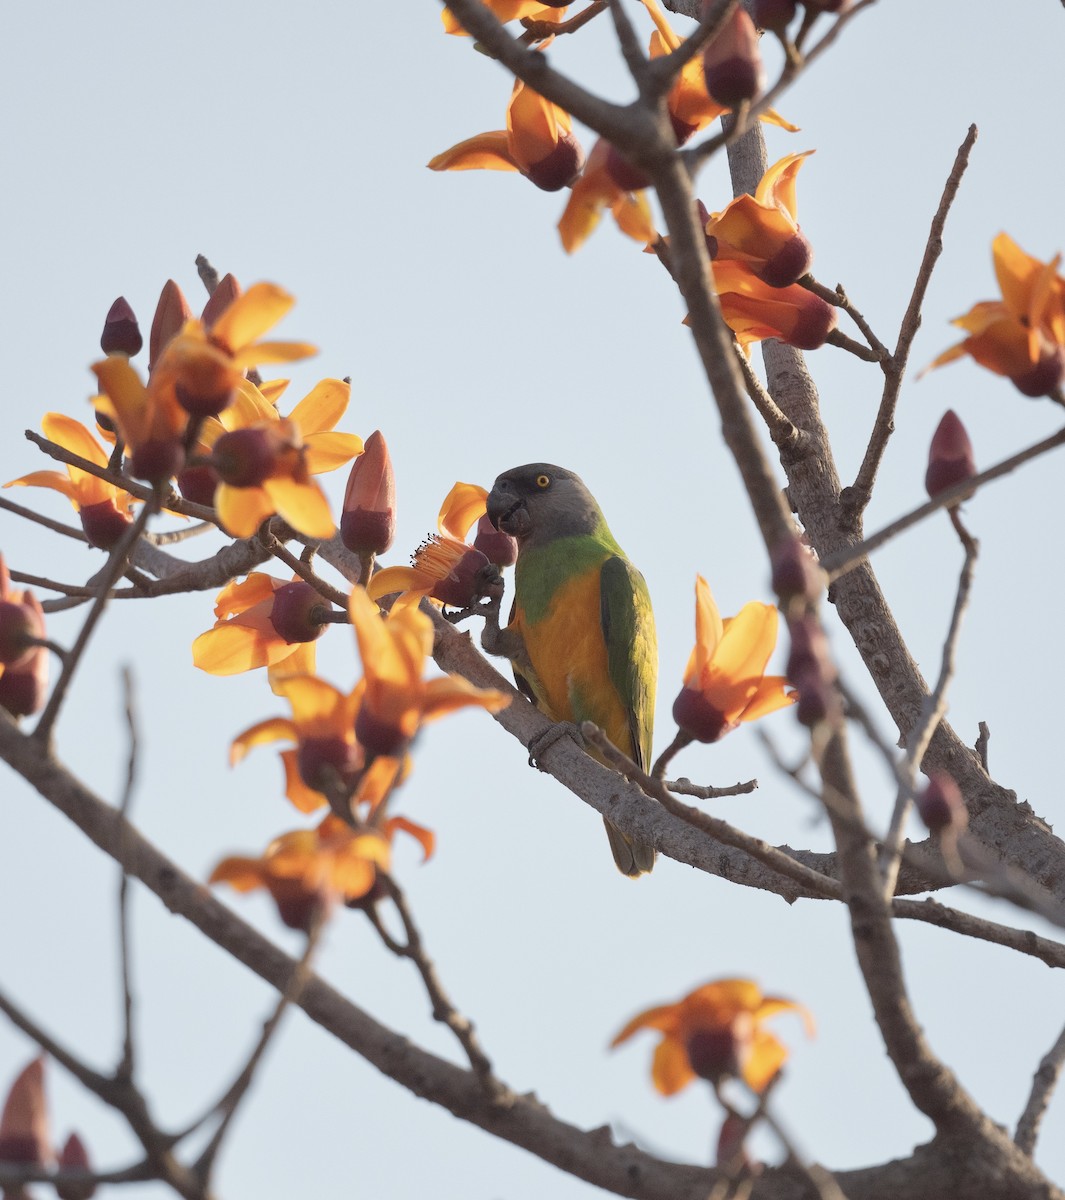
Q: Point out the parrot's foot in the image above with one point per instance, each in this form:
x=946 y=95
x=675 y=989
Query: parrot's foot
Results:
x=544 y=741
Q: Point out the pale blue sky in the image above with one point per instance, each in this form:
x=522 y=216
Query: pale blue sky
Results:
x=288 y=144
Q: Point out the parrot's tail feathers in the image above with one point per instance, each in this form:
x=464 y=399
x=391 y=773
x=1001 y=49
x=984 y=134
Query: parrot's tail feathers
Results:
x=633 y=856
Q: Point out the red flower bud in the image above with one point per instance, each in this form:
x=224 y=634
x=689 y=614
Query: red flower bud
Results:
x=775 y=15
x=1044 y=377
x=732 y=62
x=698 y=717
x=246 y=457
x=625 y=174
x=24 y=1136
x=121 y=333
x=950 y=456
x=74 y=1157
x=23 y=689
x=197 y=484
x=157 y=459
x=292 y=609
x=796 y=575
x=21 y=622
x=298 y=906
x=221 y=298
x=171 y=313
x=789 y=264
x=378 y=737
x=206 y=382
x=941 y=804
x=716 y=1054
x=321 y=759
x=472 y=577
x=499 y=548
x=368 y=522
x=103 y=523
x=561 y=167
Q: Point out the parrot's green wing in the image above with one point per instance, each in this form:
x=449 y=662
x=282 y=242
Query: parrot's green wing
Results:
x=632 y=652
x=632 y=660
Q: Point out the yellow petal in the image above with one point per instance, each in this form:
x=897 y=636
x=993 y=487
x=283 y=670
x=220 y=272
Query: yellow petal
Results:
x=485 y=152
x=264 y=353
x=394 y=579
x=230 y=649
x=238 y=596
x=306 y=799
x=777 y=185
x=633 y=214
x=463 y=505
x=453 y=692
x=671 y=1069
x=275 y=729
x=128 y=395
x=49 y=479
x=302 y=505
x=770 y=694
x=244 y=874
x=242 y=510
x=322 y=407
x=532 y=123
x=251 y=315
x=327 y=451
x=73 y=436
x=317 y=707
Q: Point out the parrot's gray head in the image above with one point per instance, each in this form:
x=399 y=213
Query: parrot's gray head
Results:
x=540 y=502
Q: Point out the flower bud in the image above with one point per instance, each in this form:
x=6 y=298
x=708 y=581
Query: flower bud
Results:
x=205 y=378
x=157 y=459
x=220 y=299
x=941 y=804
x=291 y=612
x=717 y=1054
x=561 y=167
x=774 y=15
x=788 y=264
x=197 y=484
x=698 y=718
x=1044 y=377
x=299 y=906
x=471 y=577
x=171 y=313
x=378 y=737
x=121 y=333
x=809 y=654
x=320 y=760
x=368 y=522
x=245 y=457
x=23 y=689
x=732 y=62
x=24 y=1136
x=499 y=548
x=950 y=456
x=74 y=1157
x=21 y=623
x=103 y=523
x=796 y=575
x=625 y=174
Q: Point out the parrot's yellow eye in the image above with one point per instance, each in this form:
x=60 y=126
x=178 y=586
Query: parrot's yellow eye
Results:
x=542 y=480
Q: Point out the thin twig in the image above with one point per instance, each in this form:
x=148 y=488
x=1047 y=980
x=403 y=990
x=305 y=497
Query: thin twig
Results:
x=539 y=31
x=932 y=711
x=840 y=563
x=115 y=565
x=1043 y=1084
x=55 y=526
x=230 y=1102
x=685 y=787
x=783 y=863
x=444 y=1010
x=124 y=1070
x=303 y=570
x=859 y=494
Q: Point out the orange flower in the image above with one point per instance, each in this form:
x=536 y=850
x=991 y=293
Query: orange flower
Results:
x=308 y=870
x=510 y=10
x=538 y=141
x=753 y=310
x=398 y=700
x=1021 y=336
x=262 y=622
x=103 y=508
x=599 y=188
x=725 y=681
x=265 y=461
x=716 y=1033
x=761 y=231
x=444 y=567
x=691 y=107
x=323 y=728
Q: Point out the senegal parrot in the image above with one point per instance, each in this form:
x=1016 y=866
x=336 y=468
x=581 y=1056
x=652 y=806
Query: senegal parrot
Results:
x=581 y=636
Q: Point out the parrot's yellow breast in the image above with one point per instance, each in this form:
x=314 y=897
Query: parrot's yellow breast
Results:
x=569 y=659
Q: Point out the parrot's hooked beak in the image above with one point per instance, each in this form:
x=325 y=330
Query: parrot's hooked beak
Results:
x=507 y=510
